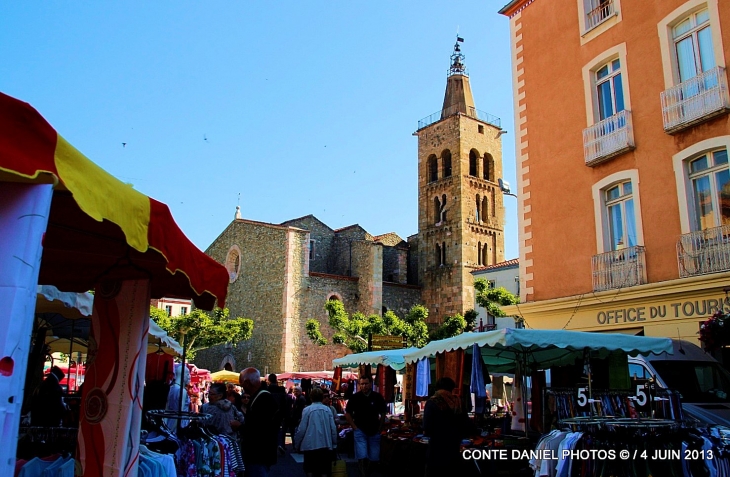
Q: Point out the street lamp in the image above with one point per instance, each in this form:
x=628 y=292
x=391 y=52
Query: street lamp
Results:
x=504 y=187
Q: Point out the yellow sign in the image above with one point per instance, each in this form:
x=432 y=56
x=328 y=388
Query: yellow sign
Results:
x=383 y=342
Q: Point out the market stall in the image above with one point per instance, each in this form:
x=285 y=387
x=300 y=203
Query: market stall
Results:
x=68 y=223
x=593 y=421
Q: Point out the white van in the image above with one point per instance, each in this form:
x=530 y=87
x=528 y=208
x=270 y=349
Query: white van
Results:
x=702 y=381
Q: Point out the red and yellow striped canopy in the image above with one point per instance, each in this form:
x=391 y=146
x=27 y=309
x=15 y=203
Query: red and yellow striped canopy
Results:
x=99 y=227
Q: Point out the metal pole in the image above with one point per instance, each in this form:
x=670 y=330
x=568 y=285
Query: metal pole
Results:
x=70 y=354
x=182 y=373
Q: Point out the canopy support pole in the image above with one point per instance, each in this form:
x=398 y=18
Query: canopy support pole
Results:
x=24 y=210
x=111 y=409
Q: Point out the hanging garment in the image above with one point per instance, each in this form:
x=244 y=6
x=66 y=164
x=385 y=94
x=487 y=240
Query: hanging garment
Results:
x=451 y=364
x=477 y=385
x=423 y=377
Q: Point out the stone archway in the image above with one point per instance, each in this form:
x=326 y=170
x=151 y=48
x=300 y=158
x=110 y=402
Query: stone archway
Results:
x=228 y=363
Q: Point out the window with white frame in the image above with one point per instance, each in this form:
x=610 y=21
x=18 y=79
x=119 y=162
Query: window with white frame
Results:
x=597 y=11
x=692 y=38
x=609 y=89
x=168 y=310
x=620 y=216
x=710 y=185
x=183 y=310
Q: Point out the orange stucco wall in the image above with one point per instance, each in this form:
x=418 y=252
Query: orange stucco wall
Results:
x=560 y=211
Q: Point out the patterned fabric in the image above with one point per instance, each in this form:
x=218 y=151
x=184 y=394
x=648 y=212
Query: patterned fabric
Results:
x=109 y=429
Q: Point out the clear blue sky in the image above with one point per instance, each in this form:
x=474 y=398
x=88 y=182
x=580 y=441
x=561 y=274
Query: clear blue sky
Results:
x=307 y=107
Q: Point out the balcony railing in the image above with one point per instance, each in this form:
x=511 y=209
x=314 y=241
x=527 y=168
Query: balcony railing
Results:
x=453 y=110
x=608 y=138
x=598 y=15
x=698 y=99
x=704 y=251
x=619 y=268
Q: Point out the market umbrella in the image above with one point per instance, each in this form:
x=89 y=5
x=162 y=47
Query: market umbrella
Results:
x=502 y=349
x=224 y=376
x=395 y=358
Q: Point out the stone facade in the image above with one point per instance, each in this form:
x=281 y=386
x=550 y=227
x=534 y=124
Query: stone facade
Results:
x=282 y=275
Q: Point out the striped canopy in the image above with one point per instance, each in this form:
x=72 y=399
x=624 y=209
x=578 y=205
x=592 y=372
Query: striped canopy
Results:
x=100 y=228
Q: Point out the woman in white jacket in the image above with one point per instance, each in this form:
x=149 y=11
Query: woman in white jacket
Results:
x=316 y=436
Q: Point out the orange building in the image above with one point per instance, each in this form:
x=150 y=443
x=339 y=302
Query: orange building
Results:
x=621 y=113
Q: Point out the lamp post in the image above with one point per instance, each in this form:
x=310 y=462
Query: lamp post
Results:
x=504 y=187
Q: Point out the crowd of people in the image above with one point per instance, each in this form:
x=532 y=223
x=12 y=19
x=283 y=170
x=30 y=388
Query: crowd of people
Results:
x=259 y=414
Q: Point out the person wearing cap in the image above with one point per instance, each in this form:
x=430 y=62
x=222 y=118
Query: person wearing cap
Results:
x=47 y=407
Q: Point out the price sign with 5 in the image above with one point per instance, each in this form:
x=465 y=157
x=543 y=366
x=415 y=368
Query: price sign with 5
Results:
x=641 y=398
x=583 y=398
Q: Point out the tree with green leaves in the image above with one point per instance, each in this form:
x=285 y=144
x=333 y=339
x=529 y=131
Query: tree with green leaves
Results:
x=353 y=330
x=203 y=330
x=492 y=299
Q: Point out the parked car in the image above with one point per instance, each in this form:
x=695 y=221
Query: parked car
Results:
x=702 y=381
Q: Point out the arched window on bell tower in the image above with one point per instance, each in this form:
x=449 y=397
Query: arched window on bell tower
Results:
x=436 y=210
x=479 y=253
x=446 y=161
x=488 y=167
x=443 y=208
x=485 y=256
x=473 y=163
x=433 y=168
x=438 y=255
x=443 y=253
x=479 y=209
x=485 y=209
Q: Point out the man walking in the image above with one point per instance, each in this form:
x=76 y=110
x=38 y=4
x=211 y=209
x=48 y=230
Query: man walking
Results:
x=261 y=426
x=365 y=412
x=279 y=395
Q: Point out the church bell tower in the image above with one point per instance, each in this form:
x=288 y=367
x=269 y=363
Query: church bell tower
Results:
x=460 y=205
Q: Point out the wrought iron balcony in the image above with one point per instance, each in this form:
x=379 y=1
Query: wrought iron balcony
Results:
x=454 y=110
x=696 y=100
x=705 y=251
x=608 y=138
x=619 y=268
x=598 y=15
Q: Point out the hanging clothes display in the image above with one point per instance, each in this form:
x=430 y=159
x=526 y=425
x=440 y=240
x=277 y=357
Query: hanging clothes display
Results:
x=423 y=377
x=54 y=466
x=337 y=379
x=386 y=379
x=451 y=364
x=477 y=385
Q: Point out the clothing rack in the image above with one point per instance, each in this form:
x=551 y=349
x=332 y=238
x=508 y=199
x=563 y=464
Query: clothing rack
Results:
x=47 y=434
x=36 y=441
x=183 y=415
x=660 y=403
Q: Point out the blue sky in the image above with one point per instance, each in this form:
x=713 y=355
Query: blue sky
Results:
x=301 y=107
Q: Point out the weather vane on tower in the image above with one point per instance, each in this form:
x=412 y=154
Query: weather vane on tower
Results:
x=457 y=59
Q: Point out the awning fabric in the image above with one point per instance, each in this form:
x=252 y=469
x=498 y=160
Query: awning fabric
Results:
x=224 y=376
x=393 y=358
x=327 y=375
x=99 y=225
x=158 y=335
x=501 y=349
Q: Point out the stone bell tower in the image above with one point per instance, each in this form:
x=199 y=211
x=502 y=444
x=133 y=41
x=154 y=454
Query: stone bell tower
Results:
x=460 y=205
